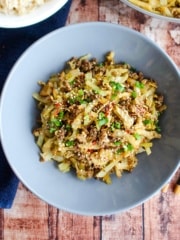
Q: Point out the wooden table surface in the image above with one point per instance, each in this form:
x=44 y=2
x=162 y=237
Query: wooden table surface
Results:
x=159 y=218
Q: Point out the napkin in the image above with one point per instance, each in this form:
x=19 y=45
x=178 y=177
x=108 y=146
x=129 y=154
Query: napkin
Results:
x=13 y=42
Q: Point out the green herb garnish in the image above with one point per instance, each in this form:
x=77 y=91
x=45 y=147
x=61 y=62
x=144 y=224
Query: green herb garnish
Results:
x=137 y=136
x=128 y=147
x=68 y=127
x=102 y=119
x=139 y=84
x=117 y=143
x=54 y=124
x=69 y=143
x=134 y=94
x=115 y=125
x=158 y=129
x=120 y=150
x=61 y=115
x=117 y=86
x=147 y=121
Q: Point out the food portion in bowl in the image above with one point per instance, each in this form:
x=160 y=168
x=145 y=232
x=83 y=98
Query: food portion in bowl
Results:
x=16 y=14
x=97 y=116
x=168 y=8
x=19 y=7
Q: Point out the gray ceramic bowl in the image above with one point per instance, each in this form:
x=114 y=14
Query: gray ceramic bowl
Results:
x=161 y=17
x=48 y=56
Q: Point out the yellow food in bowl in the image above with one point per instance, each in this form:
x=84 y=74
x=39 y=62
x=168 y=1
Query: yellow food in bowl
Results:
x=95 y=117
x=169 y=8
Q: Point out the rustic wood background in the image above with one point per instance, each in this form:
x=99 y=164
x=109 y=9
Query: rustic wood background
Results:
x=158 y=218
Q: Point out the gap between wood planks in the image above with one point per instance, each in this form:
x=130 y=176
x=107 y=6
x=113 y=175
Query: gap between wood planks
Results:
x=1 y=224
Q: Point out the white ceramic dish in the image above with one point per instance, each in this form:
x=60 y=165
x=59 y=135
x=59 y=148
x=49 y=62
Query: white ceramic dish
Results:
x=18 y=117
x=37 y=15
x=161 y=17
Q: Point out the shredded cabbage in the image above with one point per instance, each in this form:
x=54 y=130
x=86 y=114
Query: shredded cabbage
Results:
x=95 y=117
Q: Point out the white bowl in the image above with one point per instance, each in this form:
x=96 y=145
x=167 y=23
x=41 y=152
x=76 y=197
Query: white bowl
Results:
x=37 y=15
x=151 y=14
x=18 y=116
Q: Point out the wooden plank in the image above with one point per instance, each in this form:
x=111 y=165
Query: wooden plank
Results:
x=72 y=226
x=117 y=12
x=166 y=35
x=83 y=11
x=162 y=215
x=27 y=219
x=31 y=218
x=124 y=226
x=1 y=224
x=65 y=225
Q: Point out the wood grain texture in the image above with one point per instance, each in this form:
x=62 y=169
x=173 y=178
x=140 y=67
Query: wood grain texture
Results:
x=158 y=219
x=28 y=219
x=1 y=224
x=128 y=225
x=82 y=228
x=83 y=11
x=162 y=215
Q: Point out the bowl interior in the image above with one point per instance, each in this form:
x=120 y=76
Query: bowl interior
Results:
x=18 y=117
x=37 y=15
